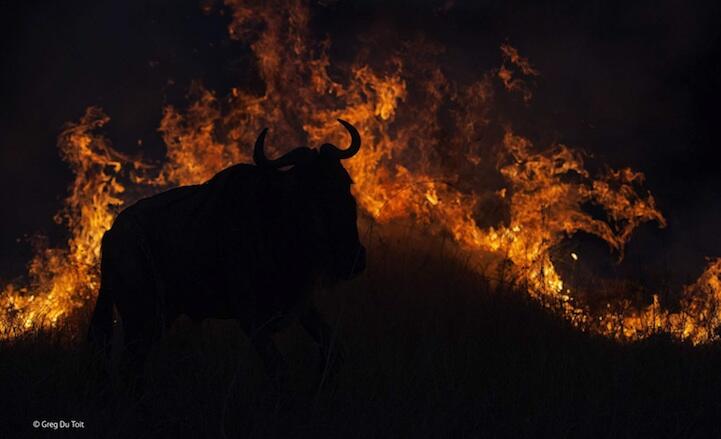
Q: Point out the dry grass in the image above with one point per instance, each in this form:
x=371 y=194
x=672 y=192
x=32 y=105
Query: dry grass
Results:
x=432 y=351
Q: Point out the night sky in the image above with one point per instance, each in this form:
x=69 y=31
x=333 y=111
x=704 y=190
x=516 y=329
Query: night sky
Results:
x=634 y=85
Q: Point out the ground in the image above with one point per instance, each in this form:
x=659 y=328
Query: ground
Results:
x=432 y=350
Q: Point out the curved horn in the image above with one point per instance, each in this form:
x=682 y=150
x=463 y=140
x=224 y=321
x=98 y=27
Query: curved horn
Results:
x=352 y=150
x=258 y=152
x=295 y=156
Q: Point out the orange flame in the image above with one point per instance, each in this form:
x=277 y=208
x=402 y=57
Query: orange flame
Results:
x=410 y=166
x=62 y=280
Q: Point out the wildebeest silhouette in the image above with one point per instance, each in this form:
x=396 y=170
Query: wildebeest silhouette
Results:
x=251 y=243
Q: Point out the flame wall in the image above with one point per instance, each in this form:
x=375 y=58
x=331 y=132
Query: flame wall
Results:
x=426 y=158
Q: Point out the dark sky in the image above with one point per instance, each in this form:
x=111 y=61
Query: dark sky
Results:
x=636 y=85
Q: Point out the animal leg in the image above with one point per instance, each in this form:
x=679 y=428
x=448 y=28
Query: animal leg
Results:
x=141 y=327
x=331 y=350
x=273 y=361
x=139 y=335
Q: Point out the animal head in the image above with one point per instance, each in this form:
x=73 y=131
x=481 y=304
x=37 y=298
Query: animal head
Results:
x=322 y=176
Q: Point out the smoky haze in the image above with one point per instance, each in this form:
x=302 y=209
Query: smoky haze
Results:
x=632 y=85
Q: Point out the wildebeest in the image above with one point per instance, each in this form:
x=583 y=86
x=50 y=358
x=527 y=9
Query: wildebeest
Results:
x=251 y=243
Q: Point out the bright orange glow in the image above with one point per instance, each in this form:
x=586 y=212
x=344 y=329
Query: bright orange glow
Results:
x=419 y=162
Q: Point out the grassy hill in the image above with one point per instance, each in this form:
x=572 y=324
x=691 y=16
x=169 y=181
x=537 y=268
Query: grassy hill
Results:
x=432 y=351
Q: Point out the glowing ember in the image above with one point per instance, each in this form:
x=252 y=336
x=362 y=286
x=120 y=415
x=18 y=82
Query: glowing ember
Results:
x=404 y=106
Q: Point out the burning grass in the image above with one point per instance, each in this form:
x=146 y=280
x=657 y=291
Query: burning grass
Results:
x=479 y=360
x=422 y=161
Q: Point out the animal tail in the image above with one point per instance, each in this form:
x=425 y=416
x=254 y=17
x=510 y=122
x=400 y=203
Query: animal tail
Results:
x=100 y=331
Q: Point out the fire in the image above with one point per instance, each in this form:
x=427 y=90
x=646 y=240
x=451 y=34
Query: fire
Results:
x=421 y=160
x=62 y=280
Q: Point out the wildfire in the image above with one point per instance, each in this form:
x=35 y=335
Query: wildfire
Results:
x=404 y=105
